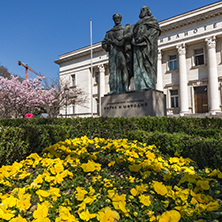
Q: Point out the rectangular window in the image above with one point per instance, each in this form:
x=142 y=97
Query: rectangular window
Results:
x=97 y=78
x=172 y=62
x=73 y=108
x=174 y=98
x=198 y=57
x=97 y=106
x=73 y=80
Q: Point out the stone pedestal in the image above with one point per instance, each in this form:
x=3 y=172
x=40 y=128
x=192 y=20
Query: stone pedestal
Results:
x=145 y=103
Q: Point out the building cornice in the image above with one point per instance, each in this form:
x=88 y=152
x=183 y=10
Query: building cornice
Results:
x=191 y=17
x=83 y=52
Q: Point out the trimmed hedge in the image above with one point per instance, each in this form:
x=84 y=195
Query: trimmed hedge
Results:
x=161 y=124
x=199 y=139
x=40 y=136
x=13 y=145
x=206 y=152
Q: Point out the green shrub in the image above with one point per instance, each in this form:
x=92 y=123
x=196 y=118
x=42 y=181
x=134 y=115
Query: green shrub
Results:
x=40 y=136
x=199 y=139
x=206 y=152
x=12 y=145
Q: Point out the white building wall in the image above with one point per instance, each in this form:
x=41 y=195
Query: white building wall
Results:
x=189 y=30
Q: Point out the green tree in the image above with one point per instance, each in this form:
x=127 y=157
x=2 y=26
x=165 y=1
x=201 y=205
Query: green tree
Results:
x=4 y=72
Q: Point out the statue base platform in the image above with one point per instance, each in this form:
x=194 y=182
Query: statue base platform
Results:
x=143 y=103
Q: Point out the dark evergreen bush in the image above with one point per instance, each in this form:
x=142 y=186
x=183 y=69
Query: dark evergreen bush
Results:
x=199 y=139
x=13 y=145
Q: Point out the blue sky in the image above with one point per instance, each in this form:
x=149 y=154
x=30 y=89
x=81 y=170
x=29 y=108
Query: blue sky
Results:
x=38 y=31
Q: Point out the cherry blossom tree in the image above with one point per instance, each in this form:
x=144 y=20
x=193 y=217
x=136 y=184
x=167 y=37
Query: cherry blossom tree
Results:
x=75 y=96
x=18 y=98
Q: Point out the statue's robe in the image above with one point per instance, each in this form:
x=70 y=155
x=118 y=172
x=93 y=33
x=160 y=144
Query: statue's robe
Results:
x=114 y=44
x=145 y=51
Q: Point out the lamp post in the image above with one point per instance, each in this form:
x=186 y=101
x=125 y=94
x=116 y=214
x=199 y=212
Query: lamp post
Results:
x=66 y=91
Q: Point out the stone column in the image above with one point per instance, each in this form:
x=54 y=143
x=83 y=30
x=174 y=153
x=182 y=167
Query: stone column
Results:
x=213 y=98
x=183 y=92
x=159 y=84
x=101 y=80
x=101 y=84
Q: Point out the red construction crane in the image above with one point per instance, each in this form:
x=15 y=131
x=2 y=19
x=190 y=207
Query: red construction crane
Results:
x=27 y=68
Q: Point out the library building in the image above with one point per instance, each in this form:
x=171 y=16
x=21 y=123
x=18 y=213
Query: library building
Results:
x=189 y=66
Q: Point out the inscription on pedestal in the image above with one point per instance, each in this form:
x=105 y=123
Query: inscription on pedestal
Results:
x=126 y=105
x=147 y=103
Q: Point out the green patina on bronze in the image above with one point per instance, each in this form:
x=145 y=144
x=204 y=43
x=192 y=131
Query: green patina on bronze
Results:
x=133 y=52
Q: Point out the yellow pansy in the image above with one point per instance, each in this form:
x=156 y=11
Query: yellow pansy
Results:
x=170 y=216
x=106 y=214
x=80 y=193
x=138 y=190
x=165 y=202
x=90 y=199
x=145 y=200
x=219 y=175
x=119 y=203
x=150 y=155
x=10 y=201
x=91 y=191
x=5 y=213
x=58 y=168
x=91 y=166
x=112 y=163
x=134 y=192
x=49 y=178
x=204 y=184
x=135 y=214
x=18 y=219
x=212 y=206
x=214 y=173
x=134 y=168
x=111 y=193
x=41 y=211
x=38 y=179
x=85 y=215
x=54 y=193
x=45 y=219
x=23 y=202
x=64 y=215
x=160 y=188
x=42 y=194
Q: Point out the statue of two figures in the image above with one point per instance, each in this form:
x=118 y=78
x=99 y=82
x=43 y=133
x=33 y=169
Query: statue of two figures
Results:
x=133 y=53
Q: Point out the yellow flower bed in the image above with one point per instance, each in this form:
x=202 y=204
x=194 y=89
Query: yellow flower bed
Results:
x=108 y=181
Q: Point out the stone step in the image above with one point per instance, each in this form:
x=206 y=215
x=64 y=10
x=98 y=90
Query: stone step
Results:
x=200 y=115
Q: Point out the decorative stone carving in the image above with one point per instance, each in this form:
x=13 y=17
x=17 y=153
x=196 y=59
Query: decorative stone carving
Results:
x=211 y=42
x=181 y=49
x=101 y=68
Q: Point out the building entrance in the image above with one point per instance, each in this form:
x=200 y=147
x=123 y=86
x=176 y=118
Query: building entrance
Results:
x=201 y=99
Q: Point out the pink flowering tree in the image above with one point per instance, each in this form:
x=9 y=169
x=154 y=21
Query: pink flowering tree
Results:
x=18 y=98
x=75 y=96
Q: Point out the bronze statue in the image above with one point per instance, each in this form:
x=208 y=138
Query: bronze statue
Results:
x=145 y=50
x=133 y=51
x=114 y=44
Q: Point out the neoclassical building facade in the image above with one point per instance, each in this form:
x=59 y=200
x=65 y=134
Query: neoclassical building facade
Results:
x=189 y=66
